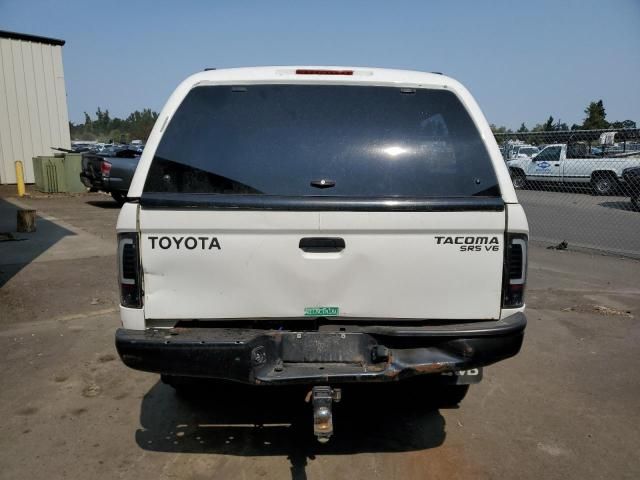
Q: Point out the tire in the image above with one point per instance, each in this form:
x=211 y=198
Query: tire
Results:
x=450 y=395
x=190 y=388
x=603 y=184
x=635 y=201
x=182 y=385
x=519 y=180
x=431 y=392
x=119 y=197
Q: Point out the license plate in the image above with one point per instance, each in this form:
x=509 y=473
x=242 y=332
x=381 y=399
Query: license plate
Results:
x=321 y=312
x=463 y=377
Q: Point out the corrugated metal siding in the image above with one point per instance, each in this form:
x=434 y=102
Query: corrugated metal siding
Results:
x=33 y=104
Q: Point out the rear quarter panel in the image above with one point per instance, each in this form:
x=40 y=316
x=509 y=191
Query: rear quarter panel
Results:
x=122 y=171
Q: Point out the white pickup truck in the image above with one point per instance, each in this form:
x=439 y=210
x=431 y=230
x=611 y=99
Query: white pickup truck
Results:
x=321 y=226
x=560 y=163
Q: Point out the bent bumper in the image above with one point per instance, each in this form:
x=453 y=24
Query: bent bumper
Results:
x=336 y=353
x=90 y=181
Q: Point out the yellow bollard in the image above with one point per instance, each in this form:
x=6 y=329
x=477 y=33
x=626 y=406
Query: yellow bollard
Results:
x=20 y=178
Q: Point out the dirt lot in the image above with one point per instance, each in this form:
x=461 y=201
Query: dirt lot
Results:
x=567 y=407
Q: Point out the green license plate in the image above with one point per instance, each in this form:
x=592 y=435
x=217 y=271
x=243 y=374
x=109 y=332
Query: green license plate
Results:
x=321 y=311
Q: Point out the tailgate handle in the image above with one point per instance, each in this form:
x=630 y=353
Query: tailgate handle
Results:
x=321 y=244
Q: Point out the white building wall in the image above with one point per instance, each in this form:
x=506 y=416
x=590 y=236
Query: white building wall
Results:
x=33 y=104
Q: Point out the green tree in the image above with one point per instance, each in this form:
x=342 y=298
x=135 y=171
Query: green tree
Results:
x=136 y=126
x=103 y=120
x=560 y=126
x=141 y=123
x=623 y=124
x=595 y=116
x=496 y=129
x=523 y=128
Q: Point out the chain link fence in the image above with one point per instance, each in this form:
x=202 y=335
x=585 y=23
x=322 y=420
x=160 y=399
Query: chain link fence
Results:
x=579 y=188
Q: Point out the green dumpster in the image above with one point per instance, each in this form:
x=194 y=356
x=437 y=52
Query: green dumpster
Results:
x=72 y=169
x=38 y=172
x=49 y=174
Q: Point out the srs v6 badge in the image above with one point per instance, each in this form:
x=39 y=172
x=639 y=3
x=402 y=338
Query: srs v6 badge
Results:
x=471 y=243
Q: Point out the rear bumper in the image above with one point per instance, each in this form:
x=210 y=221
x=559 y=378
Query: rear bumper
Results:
x=632 y=180
x=106 y=184
x=117 y=184
x=90 y=181
x=335 y=354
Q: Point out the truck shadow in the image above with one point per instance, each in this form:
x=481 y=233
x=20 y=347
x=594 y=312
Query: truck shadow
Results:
x=17 y=250
x=569 y=188
x=552 y=187
x=255 y=421
x=626 y=206
x=108 y=204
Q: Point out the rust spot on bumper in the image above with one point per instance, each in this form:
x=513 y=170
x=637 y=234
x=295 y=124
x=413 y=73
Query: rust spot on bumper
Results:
x=395 y=370
x=432 y=368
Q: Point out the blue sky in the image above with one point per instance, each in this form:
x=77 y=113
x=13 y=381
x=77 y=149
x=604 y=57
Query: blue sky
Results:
x=521 y=60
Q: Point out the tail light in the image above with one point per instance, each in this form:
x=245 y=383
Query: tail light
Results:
x=515 y=270
x=129 y=270
x=105 y=168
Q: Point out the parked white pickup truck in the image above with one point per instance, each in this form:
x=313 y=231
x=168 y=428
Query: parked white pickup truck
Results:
x=561 y=164
x=321 y=226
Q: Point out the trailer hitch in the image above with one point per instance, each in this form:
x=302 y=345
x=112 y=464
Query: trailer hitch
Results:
x=322 y=398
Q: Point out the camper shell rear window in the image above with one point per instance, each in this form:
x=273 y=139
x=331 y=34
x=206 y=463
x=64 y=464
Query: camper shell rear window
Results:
x=322 y=141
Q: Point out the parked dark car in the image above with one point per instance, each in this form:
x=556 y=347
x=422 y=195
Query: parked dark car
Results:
x=631 y=177
x=110 y=171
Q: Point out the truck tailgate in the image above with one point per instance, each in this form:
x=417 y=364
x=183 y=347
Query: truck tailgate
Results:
x=208 y=264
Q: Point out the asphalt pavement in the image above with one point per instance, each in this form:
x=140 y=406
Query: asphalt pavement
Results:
x=565 y=408
x=607 y=223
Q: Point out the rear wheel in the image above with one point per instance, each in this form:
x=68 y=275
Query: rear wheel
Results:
x=119 y=197
x=435 y=393
x=518 y=179
x=450 y=395
x=635 y=201
x=603 y=184
x=182 y=385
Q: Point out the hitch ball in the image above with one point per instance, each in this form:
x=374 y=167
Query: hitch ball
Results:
x=322 y=421
x=322 y=400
